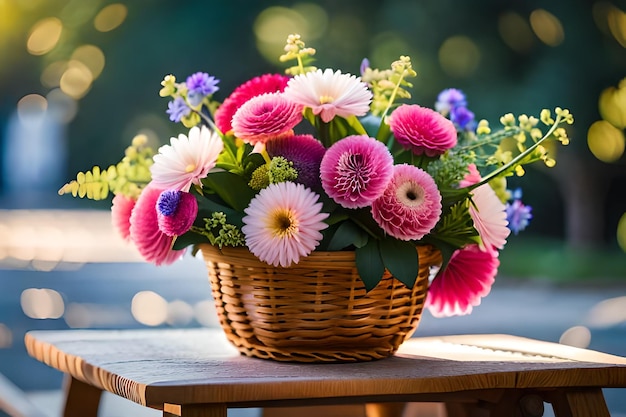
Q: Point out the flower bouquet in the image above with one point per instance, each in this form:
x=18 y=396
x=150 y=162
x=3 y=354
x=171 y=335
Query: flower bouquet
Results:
x=317 y=189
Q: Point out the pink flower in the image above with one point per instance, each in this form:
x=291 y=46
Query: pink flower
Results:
x=410 y=206
x=422 y=130
x=176 y=212
x=121 y=208
x=283 y=223
x=356 y=170
x=487 y=212
x=466 y=279
x=330 y=94
x=489 y=215
x=186 y=160
x=265 y=117
x=152 y=244
x=267 y=83
x=304 y=151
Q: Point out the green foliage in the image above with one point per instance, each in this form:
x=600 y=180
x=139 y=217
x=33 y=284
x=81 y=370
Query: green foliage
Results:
x=369 y=264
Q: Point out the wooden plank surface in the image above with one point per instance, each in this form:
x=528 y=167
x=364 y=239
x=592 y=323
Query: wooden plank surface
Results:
x=153 y=367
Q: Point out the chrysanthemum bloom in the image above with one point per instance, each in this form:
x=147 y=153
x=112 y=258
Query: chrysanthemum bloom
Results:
x=330 y=94
x=422 y=130
x=466 y=279
x=411 y=204
x=487 y=212
x=267 y=83
x=489 y=215
x=266 y=117
x=304 y=151
x=283 y=223
x=177 y=109
x=450 y=99
x=176 y=212
x=121 y=208
x=200 y=85
x=153 y=245
x=186 y=160
x=356 y=170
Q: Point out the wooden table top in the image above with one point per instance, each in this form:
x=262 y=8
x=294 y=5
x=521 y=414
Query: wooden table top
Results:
x=192 y=366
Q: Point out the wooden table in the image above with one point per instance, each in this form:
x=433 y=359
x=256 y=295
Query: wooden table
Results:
x=197 y=372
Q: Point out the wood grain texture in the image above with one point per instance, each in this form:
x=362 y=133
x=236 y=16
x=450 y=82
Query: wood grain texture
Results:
x=199 y=366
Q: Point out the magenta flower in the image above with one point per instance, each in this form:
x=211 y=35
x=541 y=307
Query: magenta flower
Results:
x=283 y=223
x=267 y=83
x=176 y=212
x=356 y=170
x=422 y=130
x=121 y=208
x=304 y=151
x=265 y=117
x=410 y=206
x=466 y=279
x=153 y=245
x=330 y=94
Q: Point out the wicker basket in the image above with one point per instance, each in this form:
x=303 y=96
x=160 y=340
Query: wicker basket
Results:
x=315 y=311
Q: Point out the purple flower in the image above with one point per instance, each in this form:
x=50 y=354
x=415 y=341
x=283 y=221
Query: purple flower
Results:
x=449 y=99
x=365 y=64
x=356 y=170
x=177 y=109
x=517 y=213
x=200 y=85
x=462 y=117
x=304 y=151
x=176 y=212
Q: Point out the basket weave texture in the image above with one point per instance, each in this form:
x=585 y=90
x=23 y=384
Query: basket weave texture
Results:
x=315 y=311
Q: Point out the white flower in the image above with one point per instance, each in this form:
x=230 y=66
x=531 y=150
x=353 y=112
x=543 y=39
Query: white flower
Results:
x=186 y=160
x=330 y=94
x=489 y=215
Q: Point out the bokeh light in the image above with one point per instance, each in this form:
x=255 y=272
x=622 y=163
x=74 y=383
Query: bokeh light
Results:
x=179 y=313
x=6 y=336
x=621 y=232
x=607 y=313
x=617 y=24
x=206 y=314
x=110 y=17
x=612 y=105
x=515 y=32
x=547 y=27
x=577 y=336
x=459 y=56
x=42 y=303
x=31 y=108
x=605 y=141
x=76 y=80
x=92 y=57
x=149 y=308
x=387 y=47
x=274 y=24
x=44 y=36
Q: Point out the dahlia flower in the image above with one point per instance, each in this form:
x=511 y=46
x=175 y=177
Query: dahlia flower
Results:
x=153 y=245
x=422 y=130
x=330 y=94
x=176 y=212
x=356 y=170
x=186 y=160
x=121 y=208
x=267 y=83
x=410 y=206
x=264 y=117
x=304 y=151
x=466 y=279
x=283 y=223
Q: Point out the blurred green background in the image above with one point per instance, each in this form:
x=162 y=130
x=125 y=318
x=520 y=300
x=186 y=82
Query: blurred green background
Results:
x=96 y=67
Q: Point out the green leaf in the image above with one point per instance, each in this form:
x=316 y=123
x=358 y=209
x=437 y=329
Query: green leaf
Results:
x=188 y=239
x=347 y=234
x=231 y=188
x=369 y=264
x=401 y=259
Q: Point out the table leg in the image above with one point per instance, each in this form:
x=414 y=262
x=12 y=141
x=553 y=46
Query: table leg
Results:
x=81 y=399
x=579 y=403
x=194 y=410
